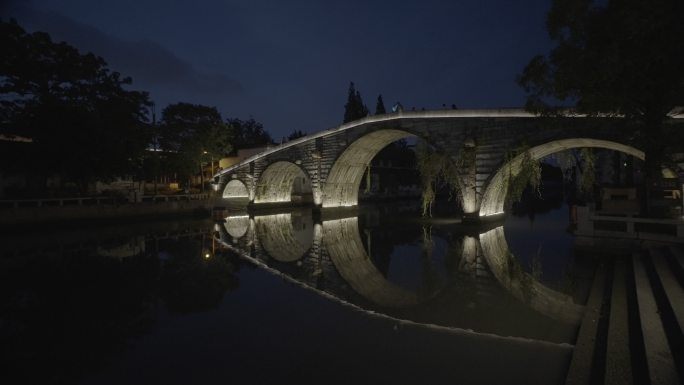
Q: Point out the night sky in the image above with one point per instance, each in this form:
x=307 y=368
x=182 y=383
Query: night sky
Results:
x=288 y=64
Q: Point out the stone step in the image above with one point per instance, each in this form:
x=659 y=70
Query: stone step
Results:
x=582 y=359
x=497 y=145
x=489 y=155
x=618 y=369
x=660 y=363
x=673 y=291
x=489 y=163
x=678 y=255
x=632 y=328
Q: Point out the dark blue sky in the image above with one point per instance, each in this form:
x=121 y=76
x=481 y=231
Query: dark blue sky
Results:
x=288 y=63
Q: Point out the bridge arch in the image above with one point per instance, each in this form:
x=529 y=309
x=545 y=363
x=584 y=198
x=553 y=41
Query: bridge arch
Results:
x=280 y=181
x=237 y=226
x=494 y=196
x=523 y=285
x=285 y=237
x=342 y=185
x=342 y=240
x=235 y=189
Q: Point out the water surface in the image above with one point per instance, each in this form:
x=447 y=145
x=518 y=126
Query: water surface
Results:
x=374 y=297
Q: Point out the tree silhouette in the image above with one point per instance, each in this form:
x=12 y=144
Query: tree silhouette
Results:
x=380 y=106
x=195 y=134
x=296 y=134
x=248 y=133
x=354 y=109
x=83 y=121
x=624 y=57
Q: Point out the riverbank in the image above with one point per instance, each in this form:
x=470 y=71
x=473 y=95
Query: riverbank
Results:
x=87 y=211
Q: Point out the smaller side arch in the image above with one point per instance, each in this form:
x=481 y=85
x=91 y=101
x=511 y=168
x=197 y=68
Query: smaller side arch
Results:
x=235 y=189
x=279 y=181
x=285 y=237
x=494 y=196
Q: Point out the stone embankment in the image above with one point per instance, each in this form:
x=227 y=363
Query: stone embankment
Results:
x=27 y=212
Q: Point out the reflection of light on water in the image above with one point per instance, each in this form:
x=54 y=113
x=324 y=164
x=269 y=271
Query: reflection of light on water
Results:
x=237 y=226
x=546 y=232
x=521 y=284
x=285 y=237
x=418 y=268
x=342 y=240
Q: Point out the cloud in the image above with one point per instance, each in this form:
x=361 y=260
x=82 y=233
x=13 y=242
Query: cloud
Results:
x=147 y=62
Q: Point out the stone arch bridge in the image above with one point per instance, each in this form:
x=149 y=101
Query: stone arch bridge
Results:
x=328 y=166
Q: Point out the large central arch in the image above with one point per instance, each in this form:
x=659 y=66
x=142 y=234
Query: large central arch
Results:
x=342 y=185
x=522 y=285
x=494 y=197
x=342 y=240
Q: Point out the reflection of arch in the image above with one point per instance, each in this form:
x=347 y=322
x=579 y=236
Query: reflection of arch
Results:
x=285 y=237
x=237 y=226
x=279 y=181
x=522 y=285
x=235 y=189
x=494 y=197
x=342 y=185
x=342 y=241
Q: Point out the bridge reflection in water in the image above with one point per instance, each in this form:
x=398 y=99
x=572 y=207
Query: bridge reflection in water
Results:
x=482 y=288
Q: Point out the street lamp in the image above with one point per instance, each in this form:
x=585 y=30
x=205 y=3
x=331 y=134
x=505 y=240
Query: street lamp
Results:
x=211 y=165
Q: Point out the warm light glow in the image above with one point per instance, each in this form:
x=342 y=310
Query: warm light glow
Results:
x=207 y=255
x=236 y=217
x=275 y=184
x=493 y=214
x=235 y=189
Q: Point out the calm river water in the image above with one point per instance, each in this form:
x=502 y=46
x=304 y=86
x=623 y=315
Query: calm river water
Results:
x=376 y=296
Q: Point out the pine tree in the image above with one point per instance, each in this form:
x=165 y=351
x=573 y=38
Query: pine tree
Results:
x=354 y=109
x=380 y=106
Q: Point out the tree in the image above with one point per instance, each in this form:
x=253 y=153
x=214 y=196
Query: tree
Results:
x=196 y=134
x=296 y=134
x=380 y=106
x=624 y=57
x=83 y=123
x=354 y=109
x=248 y=133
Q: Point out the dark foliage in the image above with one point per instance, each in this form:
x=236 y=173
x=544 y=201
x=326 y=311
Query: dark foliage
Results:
x=83 y=121
x=380 y=106
x=296 y=134
x=354 y=109
x=193 y=134
x=248 y=133
x=624 y=57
